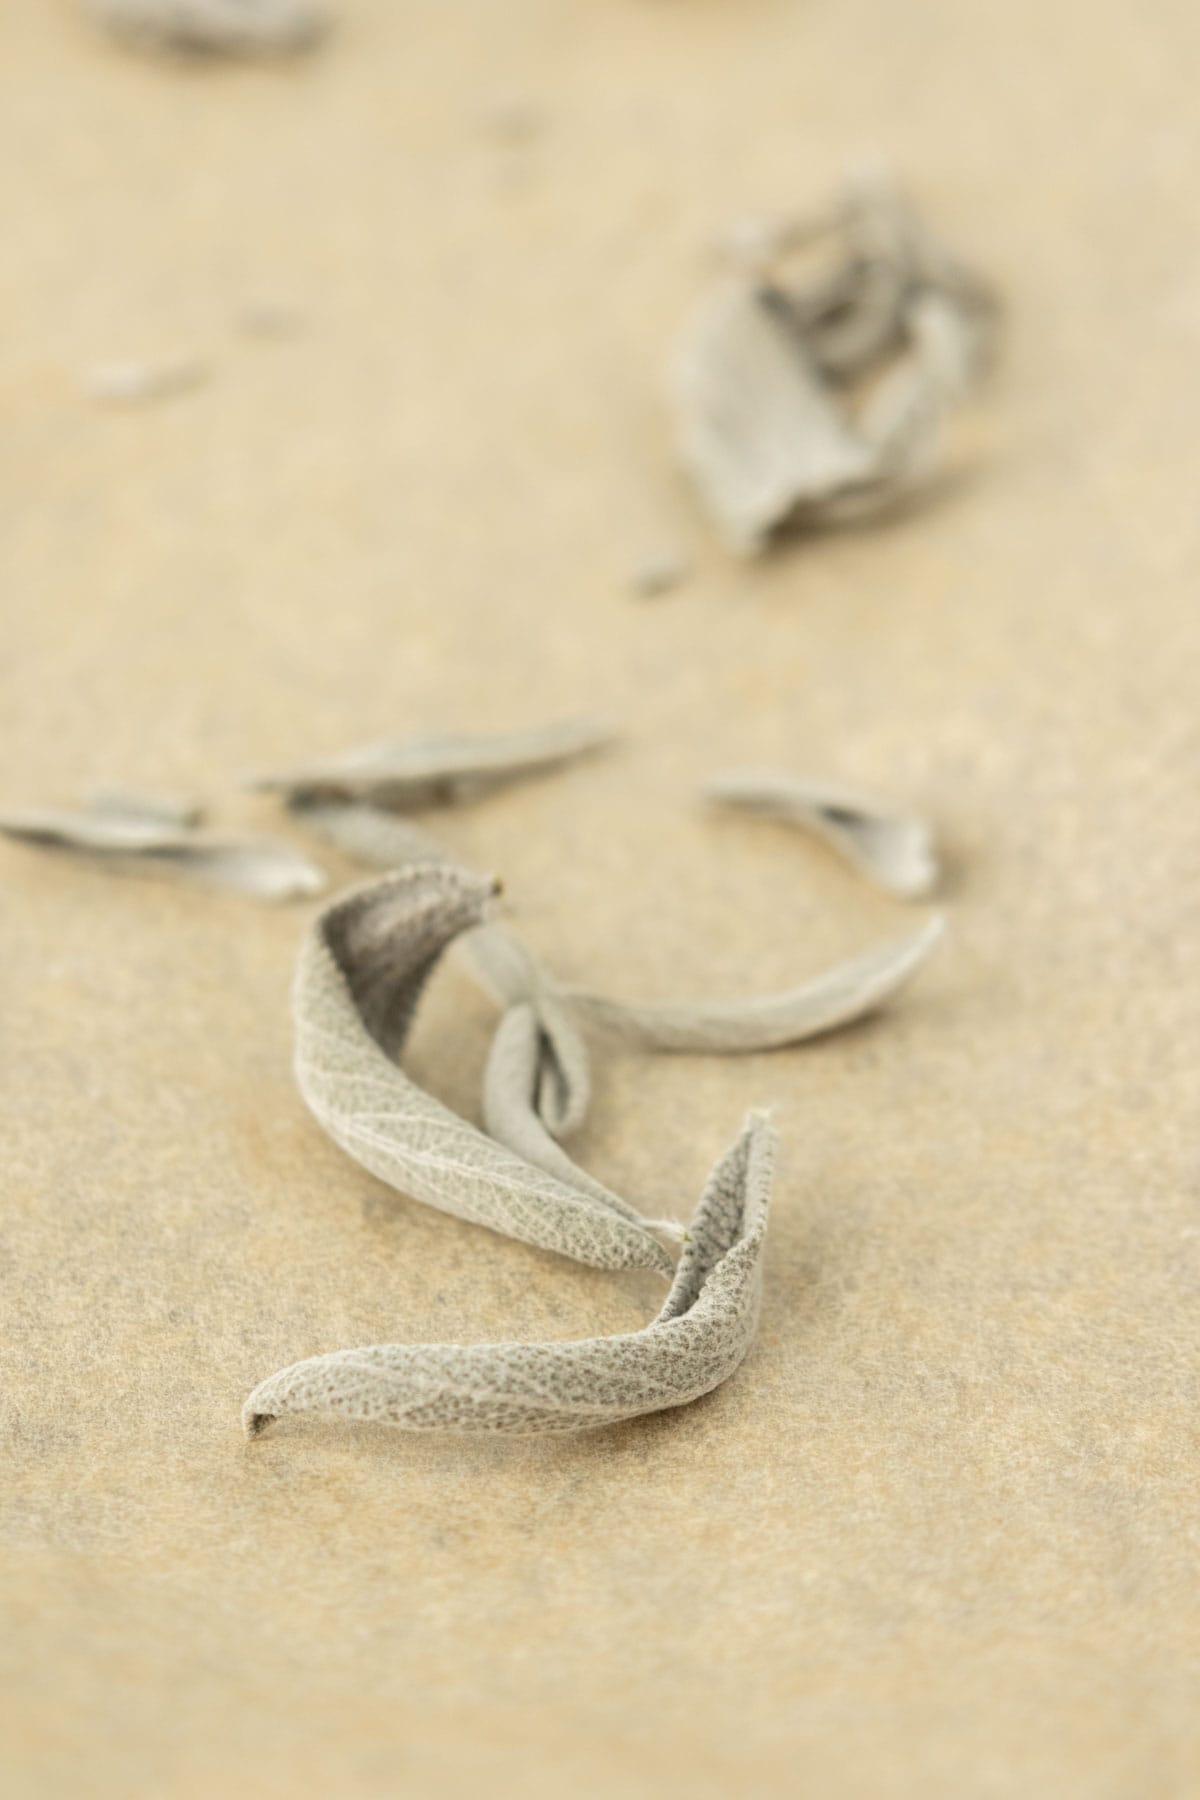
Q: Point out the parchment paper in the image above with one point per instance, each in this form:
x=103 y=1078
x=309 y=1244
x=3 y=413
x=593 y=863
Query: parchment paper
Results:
x=938 y=1537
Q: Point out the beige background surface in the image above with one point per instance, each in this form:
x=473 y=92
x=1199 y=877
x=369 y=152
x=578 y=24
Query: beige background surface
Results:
x=939 y=1537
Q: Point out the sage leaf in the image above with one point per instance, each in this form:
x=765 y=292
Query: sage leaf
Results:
x=838 y=997
x=512 y=1115
x=368 y=834
x=153 y=809
x=514 y=977
x=758 y=429
x=435 y=770
x=137 y=842
x=894 y=850
x=361 y=974
x=697 y=1341
x=817 y=401
x=215 y=27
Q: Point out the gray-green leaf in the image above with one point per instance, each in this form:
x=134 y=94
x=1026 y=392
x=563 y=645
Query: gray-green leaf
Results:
x=695 y=1343
x=132 y=839
x=360 y=978
x=215 y=27
x=894 y=850
x=368 y=834
x=839 y=996
x=771 y=422
x=436 y=770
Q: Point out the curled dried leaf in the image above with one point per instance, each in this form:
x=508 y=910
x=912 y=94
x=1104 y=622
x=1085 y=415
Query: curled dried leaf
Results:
x=696 y=1342
x=843 y=994
x=847 y=278
x=138 y=842
x=435 y=770
x=360 y=978
x=772 y=423
x=512 y=1095
x=514 y=977
x=215 y=27
x=758 y=429
x=894 y=850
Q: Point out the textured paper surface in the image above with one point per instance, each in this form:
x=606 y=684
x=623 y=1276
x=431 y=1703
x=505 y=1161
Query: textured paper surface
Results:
x=938 y=1536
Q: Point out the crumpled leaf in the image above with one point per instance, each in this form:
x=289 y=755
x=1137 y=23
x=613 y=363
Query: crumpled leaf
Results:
x=695 y=1343
x=758 y=429
x=839 y=996
x=360 y=978
x=130 y=838
x=435 y=770
x=852 y=312
x=894 y=850
x=216 y=27
x=768 y=382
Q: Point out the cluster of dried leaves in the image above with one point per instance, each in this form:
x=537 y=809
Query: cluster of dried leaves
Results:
x=362 y=971
x=358 y=985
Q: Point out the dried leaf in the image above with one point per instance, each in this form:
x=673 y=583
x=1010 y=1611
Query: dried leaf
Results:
x=879 y=257
x=370 y=835
x=759 y=430
x=893 y=850
x=841 y=995
x=152 y=809
x=770 y=421
x=513 y=976
x=361 y=975
x=438 y=770
x=524 y=1109
x=658 y=574
x=904 y=419
x=215 y=27
x=126 y=383
x=261 y=867
x=513 y=1084
x=696 y=1342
